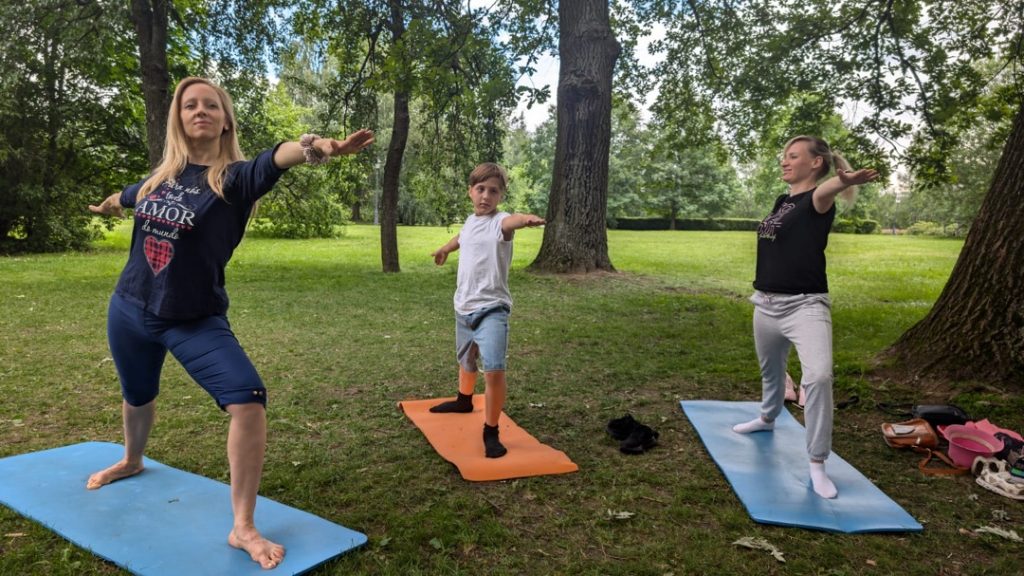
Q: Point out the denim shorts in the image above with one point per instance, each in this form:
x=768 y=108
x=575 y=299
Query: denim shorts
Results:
x=482 y=334
x=206 y=348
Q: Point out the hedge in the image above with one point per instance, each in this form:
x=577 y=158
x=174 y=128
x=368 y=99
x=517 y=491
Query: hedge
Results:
x=742 y=224
x=685 y=224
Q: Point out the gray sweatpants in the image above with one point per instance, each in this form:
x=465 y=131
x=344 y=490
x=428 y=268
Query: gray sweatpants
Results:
x=804 y=321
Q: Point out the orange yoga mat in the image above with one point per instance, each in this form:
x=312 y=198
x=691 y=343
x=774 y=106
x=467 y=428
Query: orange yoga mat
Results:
x=458 y=438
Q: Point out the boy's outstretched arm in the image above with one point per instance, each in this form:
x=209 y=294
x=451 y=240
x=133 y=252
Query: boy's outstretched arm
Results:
x=441 y=254
x=516 y=221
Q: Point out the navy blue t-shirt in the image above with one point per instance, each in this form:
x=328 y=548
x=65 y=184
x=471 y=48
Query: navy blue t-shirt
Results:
x=791 y=245
x=184 y=235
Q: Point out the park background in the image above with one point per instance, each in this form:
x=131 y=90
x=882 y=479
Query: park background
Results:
x=335 y=297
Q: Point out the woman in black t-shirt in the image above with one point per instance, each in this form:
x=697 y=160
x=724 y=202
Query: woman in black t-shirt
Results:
x=791 y=302
x=190 y=214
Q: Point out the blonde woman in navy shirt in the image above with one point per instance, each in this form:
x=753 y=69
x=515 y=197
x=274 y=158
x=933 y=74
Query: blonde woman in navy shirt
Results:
x=189 y=215
x=791 y=301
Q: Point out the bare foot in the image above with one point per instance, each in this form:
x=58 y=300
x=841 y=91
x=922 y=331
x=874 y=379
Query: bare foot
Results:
x=116 y=472
x=264 y=552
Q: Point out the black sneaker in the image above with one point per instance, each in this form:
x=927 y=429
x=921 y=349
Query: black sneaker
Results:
x=621 y=428
x=642 y=438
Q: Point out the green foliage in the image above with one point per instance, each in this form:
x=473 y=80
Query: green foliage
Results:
x=306 y=202
x=529 y=159
x=649 y=172
x=953 y=199
x=690 y=182
x=231 y=41
x=733 y=224
x=909 y=62
x=456 y=64
x=628 y=158
x=925 y=228
x=70 y=120
x=854 y=226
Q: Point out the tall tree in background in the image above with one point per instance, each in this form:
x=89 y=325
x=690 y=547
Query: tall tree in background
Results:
x=227 y=40
x=981 y=304
x=575 y=237
x=428 y=51
x=68 y=119
x=402 y=86
x=150 y=18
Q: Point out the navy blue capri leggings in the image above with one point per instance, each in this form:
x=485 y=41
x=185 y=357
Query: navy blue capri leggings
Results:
x=206 y=347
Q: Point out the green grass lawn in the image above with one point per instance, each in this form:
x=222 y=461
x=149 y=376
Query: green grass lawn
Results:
x=339 y=344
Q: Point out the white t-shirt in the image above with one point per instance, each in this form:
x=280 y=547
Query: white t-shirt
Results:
x=484 y=259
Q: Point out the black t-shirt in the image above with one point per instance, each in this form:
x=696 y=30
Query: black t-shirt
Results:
x=791 y=245
x=184 y=235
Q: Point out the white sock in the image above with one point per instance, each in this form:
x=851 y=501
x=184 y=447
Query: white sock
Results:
x=755 y=425
x=821 y=482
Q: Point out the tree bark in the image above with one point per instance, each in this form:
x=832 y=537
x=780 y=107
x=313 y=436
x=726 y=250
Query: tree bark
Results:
x=357 y=208
x=575 y=236
x=150 y=20
x=396 y=150
x=975 y=331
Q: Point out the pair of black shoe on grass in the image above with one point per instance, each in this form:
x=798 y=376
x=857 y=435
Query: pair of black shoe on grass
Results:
x=634 y=437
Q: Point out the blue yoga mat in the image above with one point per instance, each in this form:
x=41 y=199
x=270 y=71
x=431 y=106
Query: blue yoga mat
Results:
x=163 y=521
x=768 y=472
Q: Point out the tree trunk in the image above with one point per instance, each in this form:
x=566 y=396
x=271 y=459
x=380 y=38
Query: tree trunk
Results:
x=975 y=331
x=575 y=236
x=357 y=208
x=396 y=150
x=150 y=20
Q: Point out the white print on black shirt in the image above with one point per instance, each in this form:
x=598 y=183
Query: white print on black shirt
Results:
x=770 y=225
x=165 y=207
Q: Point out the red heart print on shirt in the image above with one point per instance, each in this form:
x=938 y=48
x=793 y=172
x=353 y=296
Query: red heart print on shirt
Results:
x=158 y=253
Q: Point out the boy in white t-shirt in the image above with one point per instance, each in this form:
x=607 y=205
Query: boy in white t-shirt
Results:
x=482 y=298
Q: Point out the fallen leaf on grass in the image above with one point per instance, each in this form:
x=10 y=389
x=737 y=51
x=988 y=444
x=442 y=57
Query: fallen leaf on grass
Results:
x=1008 y=534
x=760 y=544
x=871 y=563
x=623 y=515
x=14 y=534
x=536 y=404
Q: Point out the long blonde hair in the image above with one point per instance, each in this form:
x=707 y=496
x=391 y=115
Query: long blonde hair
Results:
x=175 y=155
x=830 y=158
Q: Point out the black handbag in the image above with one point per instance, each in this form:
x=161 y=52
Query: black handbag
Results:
x=940 y=414
x=935 y=414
